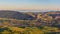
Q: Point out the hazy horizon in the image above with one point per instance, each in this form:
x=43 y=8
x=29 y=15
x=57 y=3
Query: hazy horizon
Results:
x=29 y=5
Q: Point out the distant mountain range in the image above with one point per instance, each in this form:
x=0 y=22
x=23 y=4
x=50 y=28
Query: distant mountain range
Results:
x=25 y=16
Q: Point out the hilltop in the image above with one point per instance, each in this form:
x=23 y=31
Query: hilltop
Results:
x=14 y=15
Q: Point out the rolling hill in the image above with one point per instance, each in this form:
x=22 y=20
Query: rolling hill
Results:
x=15 y=15
x=29 y=22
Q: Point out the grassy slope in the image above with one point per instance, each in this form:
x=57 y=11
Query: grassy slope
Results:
x=14 y=29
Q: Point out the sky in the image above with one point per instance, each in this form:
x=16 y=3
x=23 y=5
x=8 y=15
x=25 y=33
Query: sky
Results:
x=29 y=4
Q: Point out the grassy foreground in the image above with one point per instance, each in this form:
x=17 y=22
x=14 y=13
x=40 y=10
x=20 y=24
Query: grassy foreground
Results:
x=12 y=26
